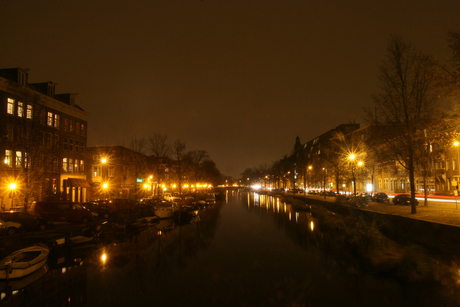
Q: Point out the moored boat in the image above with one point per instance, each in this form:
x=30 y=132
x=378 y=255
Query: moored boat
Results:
x=24 y=261
x=165 y=212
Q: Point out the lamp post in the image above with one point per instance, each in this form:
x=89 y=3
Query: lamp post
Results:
x=352 y=158
x=12 y=188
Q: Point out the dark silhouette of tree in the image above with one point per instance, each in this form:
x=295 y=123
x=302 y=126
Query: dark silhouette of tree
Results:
x=404 y=107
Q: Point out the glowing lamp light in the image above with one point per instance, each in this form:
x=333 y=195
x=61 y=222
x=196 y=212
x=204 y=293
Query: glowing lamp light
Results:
x=104 y=160
x=104 y=257
x=352 y=157
x=105 y=185
x=12 y=186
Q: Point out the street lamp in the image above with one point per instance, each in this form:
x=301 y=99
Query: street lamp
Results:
x=12 y=188
x=352 y=159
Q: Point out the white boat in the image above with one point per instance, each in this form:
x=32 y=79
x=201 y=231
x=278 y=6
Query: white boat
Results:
x=24 y=261
x=165 y=212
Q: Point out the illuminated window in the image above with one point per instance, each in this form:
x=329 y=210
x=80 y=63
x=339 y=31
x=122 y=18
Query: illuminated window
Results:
x=64 y=165
x=82 y=129
x=82 y=166
x=8 y=158
x=29 y=111
x=57 y=118
x=96 y=171
x=49 y=121
x=75 y=166
x=20 y=109
x=18 y=158
x=70 y=165
x=10 y=106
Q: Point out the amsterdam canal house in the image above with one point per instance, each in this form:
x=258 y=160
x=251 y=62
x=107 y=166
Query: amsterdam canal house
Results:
x=42 y=142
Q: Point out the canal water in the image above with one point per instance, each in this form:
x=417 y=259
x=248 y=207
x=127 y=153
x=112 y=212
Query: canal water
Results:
x=247 y=250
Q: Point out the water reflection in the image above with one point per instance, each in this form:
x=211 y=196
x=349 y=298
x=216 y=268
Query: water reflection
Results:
x=248 y=249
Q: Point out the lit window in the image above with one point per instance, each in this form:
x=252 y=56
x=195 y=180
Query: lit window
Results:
x=82 y=166
x=96 y=171
x=10 y=106
x=8 y=158
x=18 y=158
x=64 y=165
x=56 y=120
x=50 y=119
x=70 y=165
x=29 y=111
x=82 y=129
x=20 y=109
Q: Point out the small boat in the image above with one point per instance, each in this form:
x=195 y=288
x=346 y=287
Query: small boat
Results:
x=165 y=212
x=24 y=261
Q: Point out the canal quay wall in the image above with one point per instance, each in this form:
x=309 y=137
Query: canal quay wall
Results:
x=435 y=236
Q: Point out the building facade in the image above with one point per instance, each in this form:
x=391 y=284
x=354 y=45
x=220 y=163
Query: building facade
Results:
x=43 y=142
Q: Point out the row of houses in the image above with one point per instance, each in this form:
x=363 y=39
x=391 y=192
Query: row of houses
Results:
x=44 y=153
x=313 y=166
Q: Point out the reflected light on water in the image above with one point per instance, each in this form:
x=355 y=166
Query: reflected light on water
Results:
x=289 y=215
x=312 y=225
x=104 y=257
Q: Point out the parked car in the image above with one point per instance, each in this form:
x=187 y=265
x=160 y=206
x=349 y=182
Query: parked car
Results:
x=101 y=208
x=61 y=211
x=380 y=197
x=9 y=228
x=172 y=197
x=403 y=199
x=28 y=221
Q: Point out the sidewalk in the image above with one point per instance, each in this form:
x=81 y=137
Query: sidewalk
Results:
x=447 y=214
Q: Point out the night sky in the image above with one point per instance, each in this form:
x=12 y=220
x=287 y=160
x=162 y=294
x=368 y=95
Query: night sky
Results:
x=239 y=79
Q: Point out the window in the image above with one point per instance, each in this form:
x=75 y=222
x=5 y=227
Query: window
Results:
x=10 y=132
x=64 y=165
x=71 y=126
x=10 y=106
x=454 y=164
x=82 y=166
x=49 y=121
x=48 y=139
x=448 y=165
x=111 y=170
x=82 y=129
x=29 y=114
x=56 y=139
x=71 y=144
x=77 y=127
x=76 y=164
x=70 y=165
x=55 y=165
x=18 y=158
x=76 y=145
x=66 y=124
x=8 y=158
x=65 y=143
x=20 y=109
x=57 y=118
x=96 y=171
x=82 y=149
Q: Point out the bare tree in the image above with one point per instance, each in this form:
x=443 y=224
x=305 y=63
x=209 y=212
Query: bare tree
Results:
x=404 y=106
x=159 y=146
x=178 y=151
